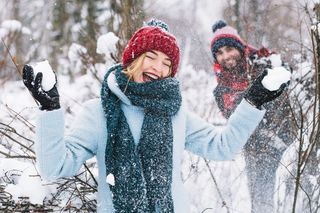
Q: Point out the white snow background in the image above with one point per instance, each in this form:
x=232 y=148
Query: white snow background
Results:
x=17 y=105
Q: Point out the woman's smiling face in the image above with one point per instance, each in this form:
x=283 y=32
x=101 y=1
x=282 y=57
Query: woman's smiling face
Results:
x=156 y=65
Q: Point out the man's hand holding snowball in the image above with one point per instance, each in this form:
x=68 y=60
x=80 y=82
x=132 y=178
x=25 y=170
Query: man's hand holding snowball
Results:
x=268 y=86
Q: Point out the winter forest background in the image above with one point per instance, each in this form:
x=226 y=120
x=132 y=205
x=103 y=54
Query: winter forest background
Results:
x=66 y=34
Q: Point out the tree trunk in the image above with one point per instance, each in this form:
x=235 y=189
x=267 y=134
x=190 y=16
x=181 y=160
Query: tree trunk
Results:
x=60 y=37
x=257 y=22
x=317 y=64
x=237 y=16
x=17 y=40
x=131 y=14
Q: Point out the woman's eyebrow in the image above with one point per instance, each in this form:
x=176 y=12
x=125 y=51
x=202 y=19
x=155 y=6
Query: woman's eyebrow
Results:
x=167 y=59
x=151 y=51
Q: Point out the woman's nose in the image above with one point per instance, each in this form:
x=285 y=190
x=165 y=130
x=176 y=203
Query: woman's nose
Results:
x=157 y=65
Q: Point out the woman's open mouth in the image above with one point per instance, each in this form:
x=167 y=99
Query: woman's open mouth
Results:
x=147 y=77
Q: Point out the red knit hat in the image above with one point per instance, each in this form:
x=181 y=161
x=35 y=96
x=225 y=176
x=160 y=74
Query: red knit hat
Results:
x=154 y=36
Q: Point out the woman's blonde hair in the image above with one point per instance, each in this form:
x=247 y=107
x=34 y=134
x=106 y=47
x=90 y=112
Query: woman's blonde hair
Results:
x=134 y=69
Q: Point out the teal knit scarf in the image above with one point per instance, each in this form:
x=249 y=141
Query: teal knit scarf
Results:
x=143 y=173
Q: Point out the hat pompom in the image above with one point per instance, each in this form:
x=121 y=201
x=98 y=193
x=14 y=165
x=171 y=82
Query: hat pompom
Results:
x=218 y=25
x=158 y=23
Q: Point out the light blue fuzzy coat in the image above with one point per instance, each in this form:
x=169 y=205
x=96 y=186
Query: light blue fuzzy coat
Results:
x=60 y=155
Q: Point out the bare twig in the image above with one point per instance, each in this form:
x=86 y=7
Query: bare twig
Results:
x=224 y=203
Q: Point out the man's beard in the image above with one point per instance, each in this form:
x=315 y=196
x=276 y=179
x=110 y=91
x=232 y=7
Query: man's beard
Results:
x=237 y=68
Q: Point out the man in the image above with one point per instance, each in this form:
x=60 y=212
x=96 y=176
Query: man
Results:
x=235 y=65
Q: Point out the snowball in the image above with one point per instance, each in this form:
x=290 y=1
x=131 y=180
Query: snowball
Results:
x=275 y=60
x=106 y=44
x=110 y=179
x=275 y=77
x=49 y=78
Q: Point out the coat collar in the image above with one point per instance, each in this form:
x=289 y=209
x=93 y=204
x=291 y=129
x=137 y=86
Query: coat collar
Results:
x=113 y=85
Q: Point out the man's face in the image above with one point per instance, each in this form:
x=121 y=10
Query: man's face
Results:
x=228 y=57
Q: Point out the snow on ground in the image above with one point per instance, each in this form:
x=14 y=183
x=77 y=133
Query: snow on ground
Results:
x=25 y=181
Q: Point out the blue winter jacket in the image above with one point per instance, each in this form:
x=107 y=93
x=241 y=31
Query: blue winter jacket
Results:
x=60 y=155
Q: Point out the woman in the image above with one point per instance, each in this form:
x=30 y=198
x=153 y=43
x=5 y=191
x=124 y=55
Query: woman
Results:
x=138 y=129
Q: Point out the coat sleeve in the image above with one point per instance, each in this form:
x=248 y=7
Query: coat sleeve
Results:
x=62 y=156
x=222 y=143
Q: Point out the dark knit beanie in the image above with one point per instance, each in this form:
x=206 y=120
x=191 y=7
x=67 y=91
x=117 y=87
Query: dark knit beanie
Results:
x=154 y=36
x=224 y=35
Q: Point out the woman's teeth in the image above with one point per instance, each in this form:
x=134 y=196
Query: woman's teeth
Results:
x=150 y=77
